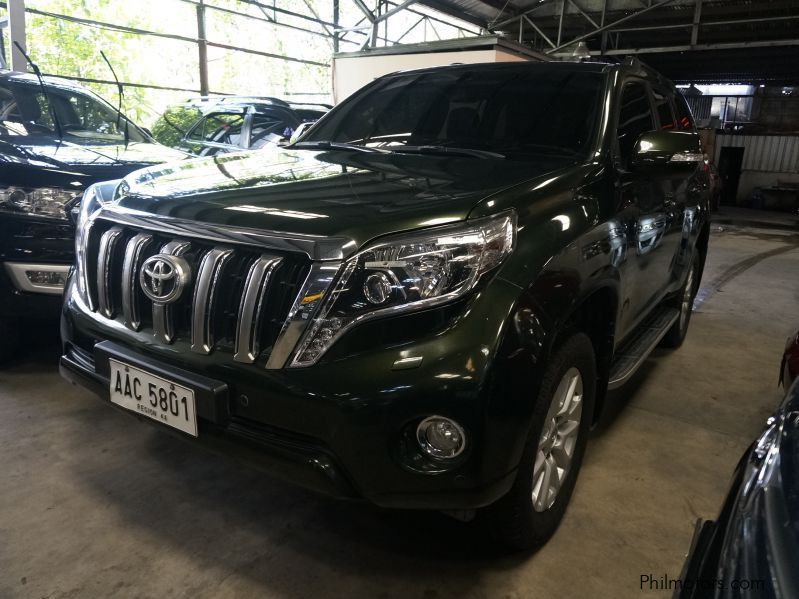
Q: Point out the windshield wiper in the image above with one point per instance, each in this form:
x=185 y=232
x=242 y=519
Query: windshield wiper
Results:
x=447 y=150
x=333 y=145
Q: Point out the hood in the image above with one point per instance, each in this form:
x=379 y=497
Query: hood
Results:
x=355 y=195
x=44 y=161
x=762 y=537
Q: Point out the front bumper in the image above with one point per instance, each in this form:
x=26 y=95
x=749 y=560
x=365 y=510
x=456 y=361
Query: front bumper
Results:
x=339 y=427
x=26 y=240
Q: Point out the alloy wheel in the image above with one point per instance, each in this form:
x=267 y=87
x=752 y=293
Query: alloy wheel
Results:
x=558 y=440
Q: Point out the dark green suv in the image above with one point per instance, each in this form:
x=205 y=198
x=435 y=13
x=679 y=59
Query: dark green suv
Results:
x=423 y=302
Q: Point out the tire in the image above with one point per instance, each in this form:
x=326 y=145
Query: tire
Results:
x=684 y=302
x=9 y=340
x=525 y=518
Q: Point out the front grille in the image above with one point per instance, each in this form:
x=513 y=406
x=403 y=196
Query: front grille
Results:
x=236 y=300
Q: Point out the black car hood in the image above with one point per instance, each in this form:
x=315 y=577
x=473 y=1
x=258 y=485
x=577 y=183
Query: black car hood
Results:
x=762 y=537
x=41 y=161
x=332 y=193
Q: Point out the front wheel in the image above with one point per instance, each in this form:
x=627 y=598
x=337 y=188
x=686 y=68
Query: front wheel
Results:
x=530 y=513
x=684 y=302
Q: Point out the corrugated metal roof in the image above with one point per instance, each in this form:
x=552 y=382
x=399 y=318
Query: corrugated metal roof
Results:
x=737 y=40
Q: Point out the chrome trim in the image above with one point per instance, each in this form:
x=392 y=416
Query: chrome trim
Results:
x=105 y=256
x=202 y=334
x=316 y=247
x=302 y=312
x=251 y=308
x=130 y=269
x=163 y=322
x=17 y=272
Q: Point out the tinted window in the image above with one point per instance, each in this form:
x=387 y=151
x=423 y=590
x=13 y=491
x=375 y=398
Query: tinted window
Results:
x=26 y=110
x=663 y=106
x=513 y=111
x=220 y=127
x=175 y=123
x=268 y=128
x=684 y=119
x=635 y=118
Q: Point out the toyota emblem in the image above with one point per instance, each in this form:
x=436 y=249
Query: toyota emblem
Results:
x=163 y=278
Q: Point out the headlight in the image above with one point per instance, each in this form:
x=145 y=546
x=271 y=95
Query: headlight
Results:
x=43 y=201
x=407 y=272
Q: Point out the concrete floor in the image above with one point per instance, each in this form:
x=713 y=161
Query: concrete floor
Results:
x=94 y=504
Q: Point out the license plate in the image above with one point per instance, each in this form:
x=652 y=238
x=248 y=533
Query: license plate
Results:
x=153 y=396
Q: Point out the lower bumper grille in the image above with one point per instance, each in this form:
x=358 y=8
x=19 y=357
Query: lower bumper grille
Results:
x=234 y=298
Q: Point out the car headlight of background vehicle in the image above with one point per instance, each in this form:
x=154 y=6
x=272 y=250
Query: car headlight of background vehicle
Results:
x=407 y=272
x=41 y=201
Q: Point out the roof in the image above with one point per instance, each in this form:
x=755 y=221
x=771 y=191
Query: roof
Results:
x=17 y=76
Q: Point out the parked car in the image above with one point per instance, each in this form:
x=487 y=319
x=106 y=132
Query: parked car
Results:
x=752 y=548
x=55 y=141
x=209 y=125
x=422 y=303
x=789 y=369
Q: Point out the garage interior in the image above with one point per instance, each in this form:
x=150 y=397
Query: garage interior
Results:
x=93 y=504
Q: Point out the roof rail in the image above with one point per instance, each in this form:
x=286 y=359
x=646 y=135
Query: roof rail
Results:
x=228 y=99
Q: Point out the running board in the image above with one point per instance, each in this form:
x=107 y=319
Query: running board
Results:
x=641 y=344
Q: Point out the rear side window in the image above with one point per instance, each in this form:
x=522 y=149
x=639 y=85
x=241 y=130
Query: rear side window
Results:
x=268 y=128
x=223 y=128
x=685 y=121
x=663 y=106
x=635 y=118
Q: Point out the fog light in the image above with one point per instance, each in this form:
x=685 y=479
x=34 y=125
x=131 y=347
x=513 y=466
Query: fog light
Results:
x=43 y=277
x=440 y=437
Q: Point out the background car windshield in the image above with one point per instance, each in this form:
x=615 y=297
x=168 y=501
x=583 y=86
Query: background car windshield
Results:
x=25 y=111
x=514 y=111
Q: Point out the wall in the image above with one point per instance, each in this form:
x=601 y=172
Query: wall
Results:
x=767 y=161
x=776 y=112
x=350 y=73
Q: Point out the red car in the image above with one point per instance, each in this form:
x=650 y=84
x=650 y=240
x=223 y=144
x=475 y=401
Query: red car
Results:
x=790 y=361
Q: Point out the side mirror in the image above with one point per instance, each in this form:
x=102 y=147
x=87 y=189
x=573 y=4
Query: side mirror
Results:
x=300 y=130
x=667 y=148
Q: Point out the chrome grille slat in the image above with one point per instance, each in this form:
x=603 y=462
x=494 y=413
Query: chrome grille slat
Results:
x=236 y=294
x=202 y=333
x=163 y=317
x=130 y=280
x=105 y=259
x=250 y=309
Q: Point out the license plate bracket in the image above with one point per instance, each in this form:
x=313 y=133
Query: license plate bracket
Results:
x=211 y=396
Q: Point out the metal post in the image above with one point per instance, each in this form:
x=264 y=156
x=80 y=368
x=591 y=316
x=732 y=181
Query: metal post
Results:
x=202 y=45
x=560 y=22
x=16 y=33
x=697 y=19
x=604 y=42
x=335 y=26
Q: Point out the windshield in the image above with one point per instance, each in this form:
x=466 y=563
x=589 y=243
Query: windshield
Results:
x=512 y=111
x=25 y=112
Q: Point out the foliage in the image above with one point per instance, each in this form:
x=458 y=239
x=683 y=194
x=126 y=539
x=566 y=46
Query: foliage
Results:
x=171 y=126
